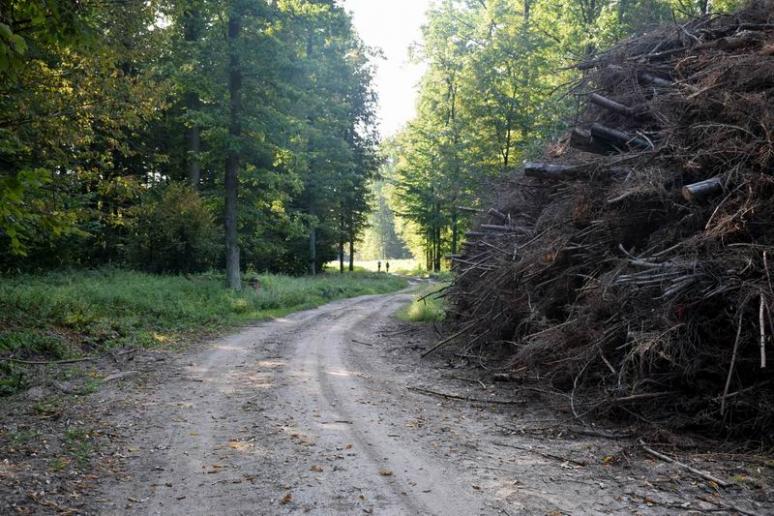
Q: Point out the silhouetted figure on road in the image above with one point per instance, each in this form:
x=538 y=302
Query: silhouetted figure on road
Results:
x=387 y=267
x=379 y=266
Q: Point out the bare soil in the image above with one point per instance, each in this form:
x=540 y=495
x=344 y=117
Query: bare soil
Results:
x=331 y=411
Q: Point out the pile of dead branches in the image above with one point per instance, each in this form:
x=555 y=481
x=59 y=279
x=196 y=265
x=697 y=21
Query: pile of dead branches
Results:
x=632 y=268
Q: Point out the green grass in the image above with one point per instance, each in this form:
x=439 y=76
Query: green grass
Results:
x=77 y=444
x=65 y=315
x=429 y=309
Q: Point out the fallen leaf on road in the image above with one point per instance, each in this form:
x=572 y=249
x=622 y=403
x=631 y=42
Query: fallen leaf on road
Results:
x=385 y=472
x=286 y=499
x=316 y=468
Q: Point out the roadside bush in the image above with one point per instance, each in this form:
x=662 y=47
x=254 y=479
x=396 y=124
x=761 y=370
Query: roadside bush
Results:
x=173 y=231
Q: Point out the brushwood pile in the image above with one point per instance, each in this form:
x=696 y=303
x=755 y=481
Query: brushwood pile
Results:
x=631 y=269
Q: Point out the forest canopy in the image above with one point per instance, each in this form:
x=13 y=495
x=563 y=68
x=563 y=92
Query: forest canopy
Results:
x=176 y=137
x=179 y=136
x=498 y=85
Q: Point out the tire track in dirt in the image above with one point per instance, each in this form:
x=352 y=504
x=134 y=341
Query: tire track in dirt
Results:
x=280 y=419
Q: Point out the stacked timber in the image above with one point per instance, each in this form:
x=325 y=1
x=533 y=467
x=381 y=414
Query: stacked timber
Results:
x=630 y=267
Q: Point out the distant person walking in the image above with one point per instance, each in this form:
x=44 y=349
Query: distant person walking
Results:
x=387 y=267
x=379 y=266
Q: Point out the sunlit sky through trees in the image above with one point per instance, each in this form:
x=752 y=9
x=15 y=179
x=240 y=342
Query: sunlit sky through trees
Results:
x=393 y=26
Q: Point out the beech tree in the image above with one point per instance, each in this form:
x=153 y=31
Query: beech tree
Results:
x=264 y=108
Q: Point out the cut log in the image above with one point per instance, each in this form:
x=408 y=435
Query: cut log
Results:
x=474 y=234
x=702 y=189
x=550 y=170
x=505 y=229
x=611 y=105
x=582 y=139
x=655 y=81
x=540 y=170
x=619 y=138
x=498 y=214
x=469 y=210
x=741 y=39
x=588 y=65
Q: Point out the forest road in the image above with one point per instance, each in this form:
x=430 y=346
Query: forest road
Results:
x=297 y=415
x=332 y=411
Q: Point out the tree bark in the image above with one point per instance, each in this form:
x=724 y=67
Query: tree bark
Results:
x=618 y=138
x=611 y=105
x=233 y=275
x=655 y=81
x=313 y=251
x=703 y=189
x=455 y=231
x=505 y=229
x=437 y=257
x=341 y=256
x=352 y=253
x=582 y=139
x=341 y=239
x=550 y=170
x=498 y=214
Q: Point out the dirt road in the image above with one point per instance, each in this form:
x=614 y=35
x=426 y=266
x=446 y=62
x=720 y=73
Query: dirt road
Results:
x=290 y=415
x=315 y=413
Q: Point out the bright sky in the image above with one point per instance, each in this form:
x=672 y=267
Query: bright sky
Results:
x=392 y=25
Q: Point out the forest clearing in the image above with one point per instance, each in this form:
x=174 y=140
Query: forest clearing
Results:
x=280 y=257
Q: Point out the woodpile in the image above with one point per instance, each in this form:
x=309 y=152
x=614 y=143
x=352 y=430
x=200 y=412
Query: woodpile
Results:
x=630 y=268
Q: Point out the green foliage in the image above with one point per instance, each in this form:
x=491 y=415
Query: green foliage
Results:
x=381 y=239
x=173 y=231
x=426 y=307
x=77 y=444
x=105 y=104
x=108 y=308
x=67 y=314
x=494 y=90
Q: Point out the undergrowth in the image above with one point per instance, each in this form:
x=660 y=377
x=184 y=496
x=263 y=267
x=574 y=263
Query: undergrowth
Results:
x=69 y=314
x=426 y=307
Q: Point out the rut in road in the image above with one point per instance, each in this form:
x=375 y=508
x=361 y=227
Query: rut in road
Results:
x=316 y=413
x=290 y=415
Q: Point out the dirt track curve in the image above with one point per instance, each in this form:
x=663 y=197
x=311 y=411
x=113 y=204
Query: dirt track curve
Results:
x=313 y=413
x=288 y=416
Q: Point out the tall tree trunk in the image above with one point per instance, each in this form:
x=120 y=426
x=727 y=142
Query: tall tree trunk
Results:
x=313 y=251
x=341 y=256
x=191 y=31
x=341 y=243
x=351 y=254
x=437 y=262
x=455 y=230
x=233 y=275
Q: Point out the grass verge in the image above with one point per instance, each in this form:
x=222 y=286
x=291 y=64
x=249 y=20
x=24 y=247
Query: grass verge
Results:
x=426 y=307
x=65 y=315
